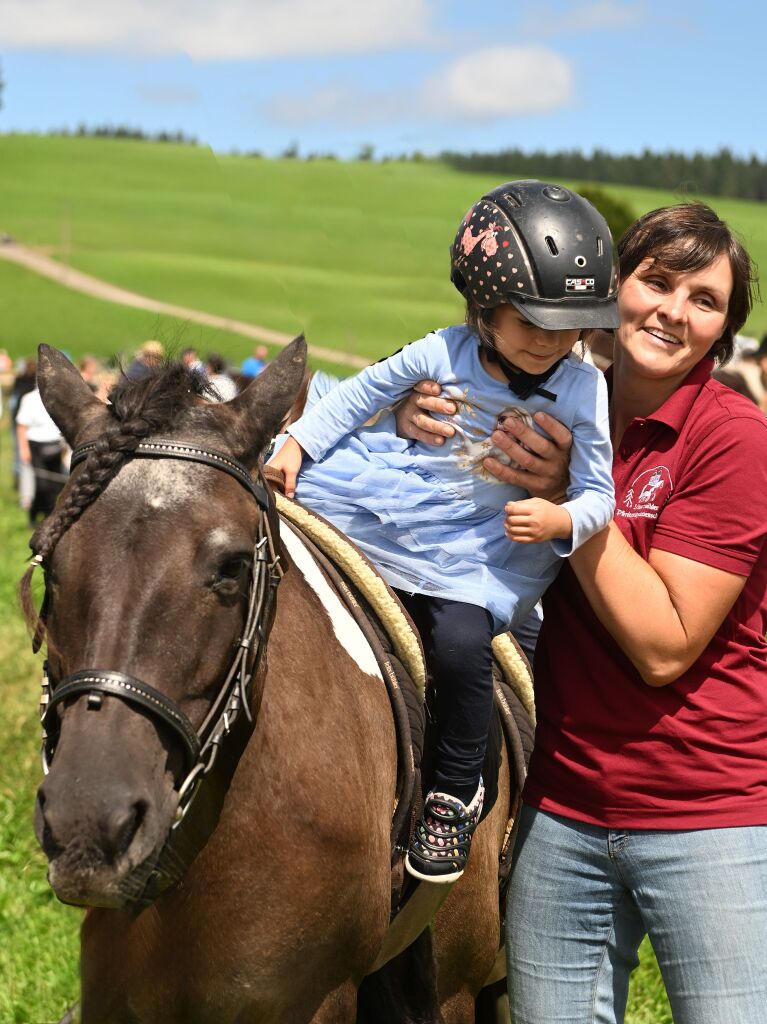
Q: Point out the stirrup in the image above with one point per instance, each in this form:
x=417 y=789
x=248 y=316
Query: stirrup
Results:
x=442 y=840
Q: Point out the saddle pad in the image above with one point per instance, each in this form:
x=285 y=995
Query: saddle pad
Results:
x=371 y=585
x=516 y=671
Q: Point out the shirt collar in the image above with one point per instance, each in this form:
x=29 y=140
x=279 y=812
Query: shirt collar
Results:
x=675 y=410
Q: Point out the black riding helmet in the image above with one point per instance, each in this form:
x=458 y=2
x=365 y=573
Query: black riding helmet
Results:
x=543 y=249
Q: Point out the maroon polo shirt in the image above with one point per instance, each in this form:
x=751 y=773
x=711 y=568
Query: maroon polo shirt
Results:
x=610 y=750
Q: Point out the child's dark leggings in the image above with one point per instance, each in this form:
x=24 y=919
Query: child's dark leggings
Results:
x=457 y=641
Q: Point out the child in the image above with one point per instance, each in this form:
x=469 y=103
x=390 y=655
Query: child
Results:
x=535 y=264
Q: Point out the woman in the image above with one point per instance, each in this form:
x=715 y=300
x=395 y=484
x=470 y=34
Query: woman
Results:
x=646 y=802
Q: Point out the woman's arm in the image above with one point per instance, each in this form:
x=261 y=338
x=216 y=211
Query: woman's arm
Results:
x=544 y=462
x=662 y=613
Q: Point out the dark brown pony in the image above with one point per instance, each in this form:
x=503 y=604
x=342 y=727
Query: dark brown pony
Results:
x=282 y=867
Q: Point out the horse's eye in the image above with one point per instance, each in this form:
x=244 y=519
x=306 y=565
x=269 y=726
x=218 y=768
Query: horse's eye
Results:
x=231 y=573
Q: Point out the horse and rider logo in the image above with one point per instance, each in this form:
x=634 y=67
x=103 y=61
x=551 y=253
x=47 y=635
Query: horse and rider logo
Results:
x=648 y=492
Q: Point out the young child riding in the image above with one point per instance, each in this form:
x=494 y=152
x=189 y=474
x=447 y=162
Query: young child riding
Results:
x=469 y=557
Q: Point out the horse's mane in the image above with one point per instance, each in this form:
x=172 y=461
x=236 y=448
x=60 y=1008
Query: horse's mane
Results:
x=137 y=409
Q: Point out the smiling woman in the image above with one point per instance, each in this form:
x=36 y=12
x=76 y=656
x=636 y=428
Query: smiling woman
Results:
x=646 y=802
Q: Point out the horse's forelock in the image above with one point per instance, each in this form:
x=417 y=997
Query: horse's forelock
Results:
x=160 y=397
x=137 y=409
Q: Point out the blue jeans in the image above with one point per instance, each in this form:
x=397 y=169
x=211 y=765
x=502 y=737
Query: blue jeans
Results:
x=582 y=898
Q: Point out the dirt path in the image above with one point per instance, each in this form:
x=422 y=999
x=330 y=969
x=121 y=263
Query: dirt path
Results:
x=98 y=289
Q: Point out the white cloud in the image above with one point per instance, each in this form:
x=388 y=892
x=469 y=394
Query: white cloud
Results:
x=500 y=82
x=216 y=29
x=483 y=85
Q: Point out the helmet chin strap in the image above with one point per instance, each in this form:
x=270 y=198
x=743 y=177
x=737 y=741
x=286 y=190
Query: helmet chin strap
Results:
x=521 y=383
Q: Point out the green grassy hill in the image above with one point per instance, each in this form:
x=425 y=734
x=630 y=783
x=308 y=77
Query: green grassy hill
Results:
x=353 y=254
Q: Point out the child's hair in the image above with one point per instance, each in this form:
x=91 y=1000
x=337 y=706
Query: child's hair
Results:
x=481 y=322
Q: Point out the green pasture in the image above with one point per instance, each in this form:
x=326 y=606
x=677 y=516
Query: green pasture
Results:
x=353 y=254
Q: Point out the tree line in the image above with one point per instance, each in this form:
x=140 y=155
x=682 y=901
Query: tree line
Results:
x=718 y=174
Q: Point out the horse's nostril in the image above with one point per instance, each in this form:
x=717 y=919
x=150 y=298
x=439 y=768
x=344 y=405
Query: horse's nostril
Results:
x=43 y=828
x=122 y=828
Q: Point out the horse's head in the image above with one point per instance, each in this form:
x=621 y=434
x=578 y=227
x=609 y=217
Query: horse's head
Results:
x=148 y=566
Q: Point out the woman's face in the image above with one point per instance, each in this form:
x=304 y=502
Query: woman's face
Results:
x=670 y=319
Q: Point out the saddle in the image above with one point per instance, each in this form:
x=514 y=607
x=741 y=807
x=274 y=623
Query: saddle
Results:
x=396 y=644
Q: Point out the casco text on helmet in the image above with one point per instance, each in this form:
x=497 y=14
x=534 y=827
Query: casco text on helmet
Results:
x=543 y=249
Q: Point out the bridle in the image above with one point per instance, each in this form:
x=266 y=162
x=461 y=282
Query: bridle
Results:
x=201 y=745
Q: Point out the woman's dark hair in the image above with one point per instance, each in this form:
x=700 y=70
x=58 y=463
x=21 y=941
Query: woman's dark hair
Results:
x=690 y=237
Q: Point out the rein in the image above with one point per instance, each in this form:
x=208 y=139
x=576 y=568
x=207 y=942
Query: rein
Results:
x=200 y=745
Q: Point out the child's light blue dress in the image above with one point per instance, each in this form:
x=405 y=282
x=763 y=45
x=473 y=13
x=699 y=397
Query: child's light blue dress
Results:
x=431 y=518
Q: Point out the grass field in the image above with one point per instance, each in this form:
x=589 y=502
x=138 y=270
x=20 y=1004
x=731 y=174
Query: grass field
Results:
x=353 y=254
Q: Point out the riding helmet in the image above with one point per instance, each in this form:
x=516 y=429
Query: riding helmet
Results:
x=543 y=249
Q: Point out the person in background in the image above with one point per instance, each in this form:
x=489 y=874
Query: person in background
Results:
x=645 y=806
x=89 y=368
x=24 y=382
x=192 y=361
x=147 y=358
x=255 y=363
x=219 y=377
x=752 y=366
x=41 y=447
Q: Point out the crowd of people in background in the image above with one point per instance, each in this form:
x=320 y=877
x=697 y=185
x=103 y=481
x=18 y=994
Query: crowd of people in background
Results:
x=40 y=455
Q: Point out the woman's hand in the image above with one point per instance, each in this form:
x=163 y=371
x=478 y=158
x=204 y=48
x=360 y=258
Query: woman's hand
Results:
x=542 y=462
x=288 y=459
x=414 y=418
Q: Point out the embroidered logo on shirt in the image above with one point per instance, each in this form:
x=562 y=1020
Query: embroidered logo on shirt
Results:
x=647 y=494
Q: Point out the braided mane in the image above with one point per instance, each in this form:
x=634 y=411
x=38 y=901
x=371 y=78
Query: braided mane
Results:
x=138 y=408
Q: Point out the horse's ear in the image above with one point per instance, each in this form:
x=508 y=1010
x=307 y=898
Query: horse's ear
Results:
x=69 y=401
x=262 y=405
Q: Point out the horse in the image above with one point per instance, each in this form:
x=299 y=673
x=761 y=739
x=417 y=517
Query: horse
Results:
x=220 y=749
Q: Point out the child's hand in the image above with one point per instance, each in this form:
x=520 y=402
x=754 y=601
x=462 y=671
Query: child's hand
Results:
x=288 y=459
x=534 y=520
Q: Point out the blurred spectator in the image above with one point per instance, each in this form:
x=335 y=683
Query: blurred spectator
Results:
x=89 y=368
x=192 y=361
x=23 y=478
x=103 y=382
x=5 y=362
x=751 y=363
x=733 y=378
x=147 y=358
x=254 y=364
x=41 y=446
x=219 y=377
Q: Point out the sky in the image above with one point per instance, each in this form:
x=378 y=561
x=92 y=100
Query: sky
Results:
x=334 y=76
